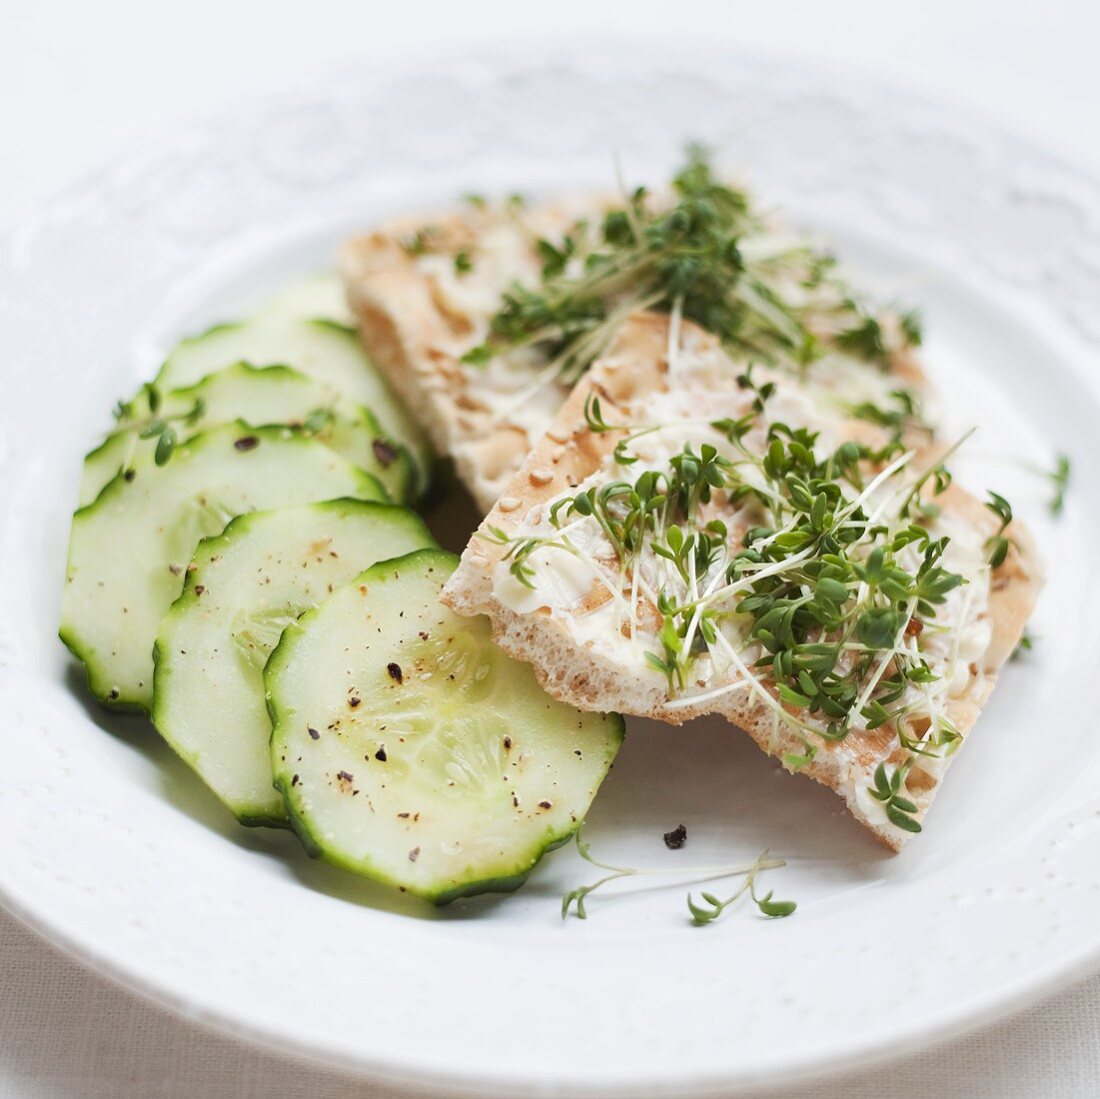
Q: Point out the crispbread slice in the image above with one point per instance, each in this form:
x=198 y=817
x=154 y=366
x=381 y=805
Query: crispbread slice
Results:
x=425 y=290
x=418 y=315
x=601 y=669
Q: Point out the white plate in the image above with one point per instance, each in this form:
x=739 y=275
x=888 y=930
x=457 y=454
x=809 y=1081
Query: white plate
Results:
x=111 y=847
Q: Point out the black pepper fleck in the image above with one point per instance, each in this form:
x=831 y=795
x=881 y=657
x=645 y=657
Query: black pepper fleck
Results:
x=676 y=839
x=129 y=475
x=384 y=452
x=247 y=442
x=380 y=755
x=414 y=854
x=314 y=735
x=395 y=671
x=545 y=804
x=507 y=742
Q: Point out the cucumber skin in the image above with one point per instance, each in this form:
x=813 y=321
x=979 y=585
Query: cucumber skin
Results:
x=114 y=706
x=139 y=403
x=506 y=884
x=198 y=337
x=369 y=482
x=416 y=446
x=315 y=849
x=335 y=326
x=234 y=527
x=247 y=820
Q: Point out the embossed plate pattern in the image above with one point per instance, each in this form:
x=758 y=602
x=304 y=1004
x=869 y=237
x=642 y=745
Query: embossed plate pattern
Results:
x=113 y=851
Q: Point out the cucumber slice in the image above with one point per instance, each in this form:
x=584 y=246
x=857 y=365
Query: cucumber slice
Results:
x=323 y=349
x=243 y=587
x=316 y=297
x=128 y=550
x=258 y=396
x=410 y=749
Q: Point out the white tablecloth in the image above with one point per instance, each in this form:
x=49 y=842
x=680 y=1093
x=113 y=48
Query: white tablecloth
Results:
x=66 y=1033
x=81 y=83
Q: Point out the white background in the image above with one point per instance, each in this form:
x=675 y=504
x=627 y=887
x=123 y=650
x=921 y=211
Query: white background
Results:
x=83 y=83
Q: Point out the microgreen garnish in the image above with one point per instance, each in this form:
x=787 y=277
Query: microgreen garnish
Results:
x=706 y=256
x=166 y=444
x=574 y=901
x=318 y=420
x=997 y=545
x=912 y=327
x=865 y=339
x=1060 y=476
x=815 y=595
x=1024 y=645
x=810 y=595
x=479 y=355
x=820 y=588
x=903 y=414
x=593 y=417
x=712 y=908
x=127 y=410
x=420 y=243
x=161 y=427
x=888 y=789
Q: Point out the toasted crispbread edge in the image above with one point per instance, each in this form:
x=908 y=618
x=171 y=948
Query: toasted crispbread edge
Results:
x=590 y=680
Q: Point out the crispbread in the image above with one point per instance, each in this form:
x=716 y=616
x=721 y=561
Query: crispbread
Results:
x=419 y=315
x=593 y=675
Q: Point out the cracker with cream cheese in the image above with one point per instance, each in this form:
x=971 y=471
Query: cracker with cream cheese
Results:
x=562 y=594
x=426 y=292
